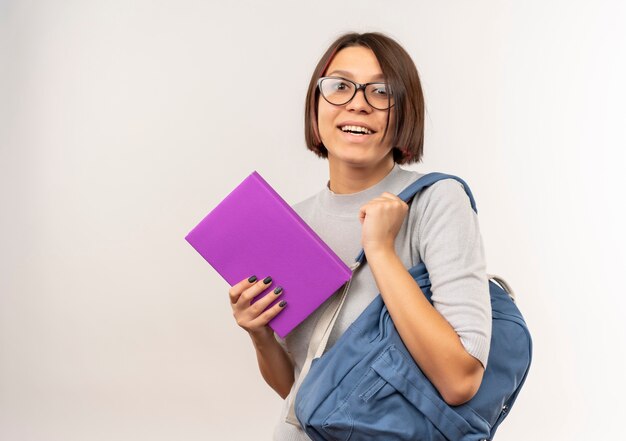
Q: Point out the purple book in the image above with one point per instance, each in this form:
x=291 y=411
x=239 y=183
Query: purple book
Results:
x=253 y=231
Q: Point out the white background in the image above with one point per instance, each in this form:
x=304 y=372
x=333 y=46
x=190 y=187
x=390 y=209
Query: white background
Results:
x=123 y=123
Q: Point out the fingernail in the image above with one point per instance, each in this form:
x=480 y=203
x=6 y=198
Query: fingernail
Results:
x=282 y=304
x=278 y=290
x=252 y=279
x=267 y=280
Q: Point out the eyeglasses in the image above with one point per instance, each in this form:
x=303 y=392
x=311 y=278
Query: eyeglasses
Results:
x=339 y=91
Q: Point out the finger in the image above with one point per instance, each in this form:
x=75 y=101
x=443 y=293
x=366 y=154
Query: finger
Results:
x=268 y=315
x=370 y=205
x=388 y=195
x=236 y=290
x=250 y=293
x=265 y=301
x=387 y=198
x=384 y=197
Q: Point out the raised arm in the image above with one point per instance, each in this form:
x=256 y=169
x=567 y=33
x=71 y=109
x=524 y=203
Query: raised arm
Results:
x=447 y=347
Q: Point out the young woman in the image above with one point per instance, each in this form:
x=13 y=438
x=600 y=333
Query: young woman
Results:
x=365 y=115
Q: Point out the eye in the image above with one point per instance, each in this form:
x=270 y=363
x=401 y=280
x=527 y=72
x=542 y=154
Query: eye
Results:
x=341 y=85
x=380 y=89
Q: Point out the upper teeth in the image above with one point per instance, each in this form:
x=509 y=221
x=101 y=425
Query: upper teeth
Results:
x=356 y=129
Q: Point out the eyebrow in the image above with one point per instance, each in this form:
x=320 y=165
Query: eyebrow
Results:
x=344 y=73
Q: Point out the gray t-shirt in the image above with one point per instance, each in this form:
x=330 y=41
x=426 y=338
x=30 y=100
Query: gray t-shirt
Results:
x=441 y=230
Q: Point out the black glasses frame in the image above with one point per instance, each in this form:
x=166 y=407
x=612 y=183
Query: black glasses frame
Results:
x=357 y=87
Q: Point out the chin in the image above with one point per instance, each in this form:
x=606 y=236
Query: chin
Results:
x=354 y=159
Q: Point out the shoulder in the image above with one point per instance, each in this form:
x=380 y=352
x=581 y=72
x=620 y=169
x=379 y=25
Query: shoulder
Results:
x=304 y=203
x=445 y=188
x=306 y=206
x=444 y=193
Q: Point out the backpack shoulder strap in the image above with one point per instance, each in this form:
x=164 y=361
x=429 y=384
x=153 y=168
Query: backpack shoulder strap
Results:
x=428 y=180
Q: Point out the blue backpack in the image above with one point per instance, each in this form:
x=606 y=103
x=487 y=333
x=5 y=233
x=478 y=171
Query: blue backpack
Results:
x=368 y=387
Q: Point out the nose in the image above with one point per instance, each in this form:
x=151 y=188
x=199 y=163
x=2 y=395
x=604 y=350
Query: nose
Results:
x=358 y=102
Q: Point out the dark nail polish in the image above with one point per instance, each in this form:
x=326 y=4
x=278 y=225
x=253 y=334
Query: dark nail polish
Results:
x=267 y=280
x=252 y=279
x=278 y=290
x=282 y=304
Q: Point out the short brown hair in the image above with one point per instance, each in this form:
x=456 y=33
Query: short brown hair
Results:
x=401 y=74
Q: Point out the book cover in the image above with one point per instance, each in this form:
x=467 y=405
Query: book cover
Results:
x=253 y=231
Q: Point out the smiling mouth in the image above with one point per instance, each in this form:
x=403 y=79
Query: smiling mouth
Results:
x=356 y=130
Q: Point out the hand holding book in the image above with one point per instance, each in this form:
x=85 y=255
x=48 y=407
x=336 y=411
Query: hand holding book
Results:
x=254 y=231
x=252 y=312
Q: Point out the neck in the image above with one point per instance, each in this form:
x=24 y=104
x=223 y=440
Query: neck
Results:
x=348 y=179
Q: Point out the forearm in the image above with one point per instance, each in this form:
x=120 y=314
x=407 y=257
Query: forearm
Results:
x=274 y=363
x=431 y=340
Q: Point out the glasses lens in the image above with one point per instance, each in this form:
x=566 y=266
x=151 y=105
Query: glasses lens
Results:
x=336 y=90
x=379 y=95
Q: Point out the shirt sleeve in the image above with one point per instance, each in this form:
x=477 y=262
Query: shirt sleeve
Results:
x=450 y=245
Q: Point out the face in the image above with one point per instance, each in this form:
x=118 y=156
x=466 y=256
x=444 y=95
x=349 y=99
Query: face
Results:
x=358 y=64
